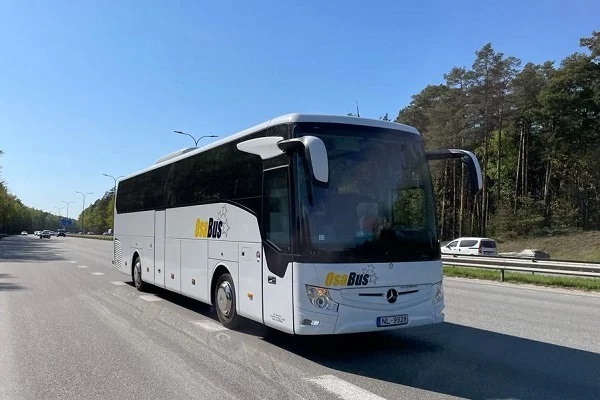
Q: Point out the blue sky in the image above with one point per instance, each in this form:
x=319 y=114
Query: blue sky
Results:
x=96 y=87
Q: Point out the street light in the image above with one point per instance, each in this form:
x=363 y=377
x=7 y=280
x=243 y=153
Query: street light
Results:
x=195 y=140
x=82 y=209
x=59 y=209
x=115 y=180
x=67 y=203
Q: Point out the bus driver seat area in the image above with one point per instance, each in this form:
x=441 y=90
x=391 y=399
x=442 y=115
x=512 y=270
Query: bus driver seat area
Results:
x=368 y=217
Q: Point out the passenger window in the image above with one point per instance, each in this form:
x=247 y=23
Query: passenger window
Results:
x=276 y=208
x=452 y=244
x=468 y=243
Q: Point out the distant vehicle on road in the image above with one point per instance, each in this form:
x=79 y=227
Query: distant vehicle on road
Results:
x=471 y=246
x=24 y=233
x=45 y=234
x=61 y=232
x=37 y=233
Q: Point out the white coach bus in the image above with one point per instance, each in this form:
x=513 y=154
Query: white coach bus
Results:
x=310 y=224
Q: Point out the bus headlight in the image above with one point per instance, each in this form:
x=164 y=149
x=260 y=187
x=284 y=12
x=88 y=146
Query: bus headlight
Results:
x=320 y=298
x=438 y=292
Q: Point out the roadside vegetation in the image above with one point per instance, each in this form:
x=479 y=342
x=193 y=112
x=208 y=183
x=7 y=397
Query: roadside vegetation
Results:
x=587 y=284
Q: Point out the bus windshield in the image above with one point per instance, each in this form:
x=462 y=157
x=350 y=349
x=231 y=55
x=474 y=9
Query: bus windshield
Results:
x=378 y=204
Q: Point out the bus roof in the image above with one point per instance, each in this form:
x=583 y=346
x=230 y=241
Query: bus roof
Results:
x=283 y=119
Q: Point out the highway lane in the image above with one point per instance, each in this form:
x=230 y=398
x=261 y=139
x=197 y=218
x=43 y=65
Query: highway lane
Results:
x=71 y=329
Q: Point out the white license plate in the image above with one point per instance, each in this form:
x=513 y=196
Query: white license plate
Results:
x=392 y=320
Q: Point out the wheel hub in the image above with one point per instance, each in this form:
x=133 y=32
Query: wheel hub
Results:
x=225 y=298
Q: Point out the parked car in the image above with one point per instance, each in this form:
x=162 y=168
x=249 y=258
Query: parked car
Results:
x=45 y=234
x=61 y=232
x=471 y=246
x=24 y=233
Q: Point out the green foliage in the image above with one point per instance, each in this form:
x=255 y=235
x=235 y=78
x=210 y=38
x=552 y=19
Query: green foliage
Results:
x=535 y=131
x=527 y=220
x=588 y=284
x=98 y=217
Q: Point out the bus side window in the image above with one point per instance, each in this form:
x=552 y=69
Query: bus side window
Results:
x=276 y=208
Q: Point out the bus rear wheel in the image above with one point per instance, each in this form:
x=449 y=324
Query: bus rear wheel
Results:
x=225 y=302
x=137 y=275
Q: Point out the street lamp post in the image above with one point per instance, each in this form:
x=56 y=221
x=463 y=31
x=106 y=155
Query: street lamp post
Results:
x=115 y=181
x=67 y=203
x=83 y=209
x=194 y=139
x=59 y=209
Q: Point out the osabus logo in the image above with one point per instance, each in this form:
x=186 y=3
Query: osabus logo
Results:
x=208 y=229
x=367 y=276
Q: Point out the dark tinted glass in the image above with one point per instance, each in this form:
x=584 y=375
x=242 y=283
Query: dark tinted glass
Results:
x=276 y=212
x=490 y=244
x=222 y=173
x=468 y=243
x=142 y=192
x=187 y=182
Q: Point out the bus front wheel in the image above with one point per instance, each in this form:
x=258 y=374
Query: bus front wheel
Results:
x=137 y=275
x=225 y=302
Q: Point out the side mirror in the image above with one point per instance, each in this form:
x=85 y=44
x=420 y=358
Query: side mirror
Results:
x=265 y=147
x=468 y=158
x=273 y=146
x=315 y=152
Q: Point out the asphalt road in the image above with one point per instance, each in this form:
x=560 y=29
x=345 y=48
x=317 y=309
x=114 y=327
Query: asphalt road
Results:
x=70 y=328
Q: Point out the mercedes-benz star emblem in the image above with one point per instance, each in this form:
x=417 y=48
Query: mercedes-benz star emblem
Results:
x=391 y=296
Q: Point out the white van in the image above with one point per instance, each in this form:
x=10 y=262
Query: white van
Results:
x=471 y=246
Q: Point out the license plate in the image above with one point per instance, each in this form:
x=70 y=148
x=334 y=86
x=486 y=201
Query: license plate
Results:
x=392 y=320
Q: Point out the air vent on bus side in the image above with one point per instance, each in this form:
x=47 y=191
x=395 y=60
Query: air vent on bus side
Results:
x=118 y=256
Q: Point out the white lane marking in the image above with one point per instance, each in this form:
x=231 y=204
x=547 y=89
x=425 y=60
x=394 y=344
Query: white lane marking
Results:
x=118 y=283
x=97 y=273
x=72 y=262
x=149 y=297
x=210 y=326
x=343 y=389
x=82 y=266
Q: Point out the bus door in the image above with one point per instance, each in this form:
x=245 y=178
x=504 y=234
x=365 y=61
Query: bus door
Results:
x=277 y=260
x=159 y=248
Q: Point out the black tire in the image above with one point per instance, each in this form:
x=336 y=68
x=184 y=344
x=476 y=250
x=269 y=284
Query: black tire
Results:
x=137 y=275
x=225 y=302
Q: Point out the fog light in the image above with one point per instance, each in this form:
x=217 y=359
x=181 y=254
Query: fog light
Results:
x=310 y=322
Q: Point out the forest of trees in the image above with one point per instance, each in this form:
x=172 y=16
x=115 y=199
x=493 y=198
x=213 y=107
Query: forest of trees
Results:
x=536 y=131
x=99 y=215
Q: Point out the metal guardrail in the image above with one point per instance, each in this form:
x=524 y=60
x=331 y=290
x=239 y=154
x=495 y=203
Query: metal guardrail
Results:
x=558 y=267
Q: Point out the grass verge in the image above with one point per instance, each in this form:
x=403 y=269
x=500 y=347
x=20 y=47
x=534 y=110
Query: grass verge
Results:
x=587 y=284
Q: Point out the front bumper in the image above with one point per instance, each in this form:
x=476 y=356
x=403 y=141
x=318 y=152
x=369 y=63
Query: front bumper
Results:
x=353 y=320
